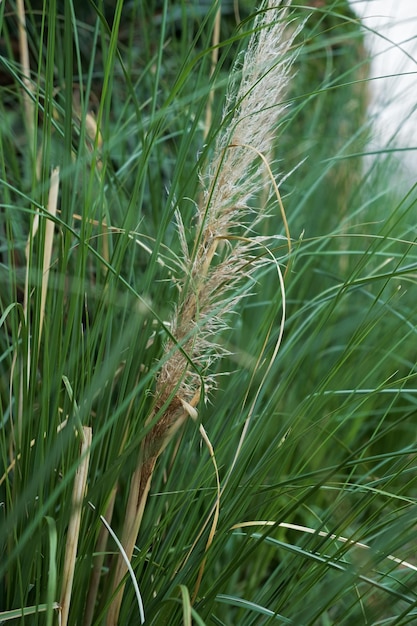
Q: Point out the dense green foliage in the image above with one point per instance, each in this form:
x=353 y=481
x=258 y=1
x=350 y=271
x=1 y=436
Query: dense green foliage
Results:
x=313 y=444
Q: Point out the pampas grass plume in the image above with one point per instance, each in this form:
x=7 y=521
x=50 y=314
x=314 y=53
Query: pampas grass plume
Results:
x=217 y=272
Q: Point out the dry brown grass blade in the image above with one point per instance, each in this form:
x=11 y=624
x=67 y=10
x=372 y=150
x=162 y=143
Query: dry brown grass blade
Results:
x=48 y=243
x=78 y=492
x=24 y=60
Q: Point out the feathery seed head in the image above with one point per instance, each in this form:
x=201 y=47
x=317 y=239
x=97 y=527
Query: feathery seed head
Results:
x=219 y=272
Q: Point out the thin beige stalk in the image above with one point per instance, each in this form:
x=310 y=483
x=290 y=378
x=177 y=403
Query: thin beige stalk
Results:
x=74 y=524
x=24 y=60
x=217 y=273
x=48 y=243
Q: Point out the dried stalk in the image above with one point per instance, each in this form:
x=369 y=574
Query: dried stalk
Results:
x=74 y=524
x=24 y=60
x=48 y=244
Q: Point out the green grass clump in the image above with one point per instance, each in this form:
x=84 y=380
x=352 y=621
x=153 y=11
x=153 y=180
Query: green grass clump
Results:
x=207 y=353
